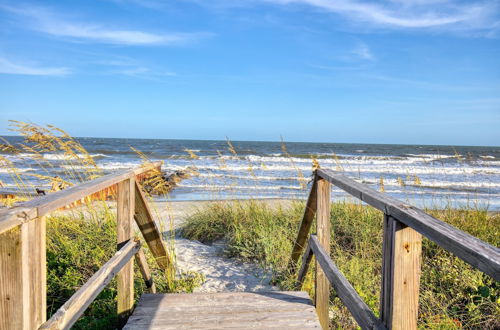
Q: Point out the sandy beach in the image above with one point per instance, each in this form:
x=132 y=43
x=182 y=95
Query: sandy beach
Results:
x=220 y=273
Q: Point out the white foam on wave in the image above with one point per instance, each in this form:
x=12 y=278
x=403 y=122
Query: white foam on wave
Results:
x=71 y=157
x=237 y=187
x=18 y=170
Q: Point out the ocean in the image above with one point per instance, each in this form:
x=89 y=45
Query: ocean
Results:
x=423 y=175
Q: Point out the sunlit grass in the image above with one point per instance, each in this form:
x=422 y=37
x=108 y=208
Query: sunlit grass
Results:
x=452 y=293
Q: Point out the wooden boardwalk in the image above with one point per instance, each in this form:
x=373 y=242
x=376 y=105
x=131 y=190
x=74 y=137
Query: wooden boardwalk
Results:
x=23 y=279
x=225 y=310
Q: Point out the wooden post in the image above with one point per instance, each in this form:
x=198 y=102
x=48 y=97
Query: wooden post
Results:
x=400 y=275
x=125 y=279
x=322 y=295
x=23 y=292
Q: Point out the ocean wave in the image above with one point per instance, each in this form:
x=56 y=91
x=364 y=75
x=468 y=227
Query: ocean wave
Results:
x=235 y=187
x=72 y=157
x=251 y=177
x=19 y=170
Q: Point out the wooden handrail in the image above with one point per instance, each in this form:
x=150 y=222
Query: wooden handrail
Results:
x=358 y=308
x=472 y=250
x=72 y=309
x=40 y=206
x=23 y=259
x=401 y=263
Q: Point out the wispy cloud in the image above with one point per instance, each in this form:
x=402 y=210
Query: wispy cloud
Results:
x=411 y=14
x=9 y=67
x=362 y=51
x=48 y=22
x=454 y=15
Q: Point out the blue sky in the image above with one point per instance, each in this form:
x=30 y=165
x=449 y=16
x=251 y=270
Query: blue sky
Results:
x=415 y=71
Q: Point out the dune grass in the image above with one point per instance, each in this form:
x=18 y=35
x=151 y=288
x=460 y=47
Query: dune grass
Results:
x=80 y=240
x=452 y=294
x=78 y=244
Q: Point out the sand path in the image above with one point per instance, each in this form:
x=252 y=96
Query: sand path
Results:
x=221 y=273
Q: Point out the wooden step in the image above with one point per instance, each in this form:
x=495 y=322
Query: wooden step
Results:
x=225 y=310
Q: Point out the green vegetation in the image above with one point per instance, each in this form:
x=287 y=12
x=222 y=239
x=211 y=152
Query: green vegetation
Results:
x=78 y=244
x=452 y=294
x=82 y=239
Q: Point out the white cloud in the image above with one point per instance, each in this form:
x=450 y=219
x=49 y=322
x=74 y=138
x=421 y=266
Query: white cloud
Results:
x=46 y=21
x=362 y=51
x=409 y=14
x=8 y=67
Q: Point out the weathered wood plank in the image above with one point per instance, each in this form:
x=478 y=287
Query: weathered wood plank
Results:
x=306 y=261
x=387 y=270
x=142 y=263
x=22 y=274
x=228 y=310
x=11 y=283
x=186 y=311
x=147 y=226
x=477 y=253
x=69 y=313
x=34 y=259
x=400 y=275
x=359 y=310
x=223 y=298
x=125 y=280
x=322 y=287
x=40 y=206
x=407 y=250
x=305 y=227
x=10 y=218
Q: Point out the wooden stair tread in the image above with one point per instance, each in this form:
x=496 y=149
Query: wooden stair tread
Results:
x=225 y=310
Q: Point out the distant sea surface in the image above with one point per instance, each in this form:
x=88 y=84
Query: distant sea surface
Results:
x=432 y=176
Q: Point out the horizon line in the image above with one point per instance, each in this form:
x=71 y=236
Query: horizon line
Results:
x=274 y=141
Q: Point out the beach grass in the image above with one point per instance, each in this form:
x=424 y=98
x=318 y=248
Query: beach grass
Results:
x=82 y=238
x=78 y=244
x=452 y=293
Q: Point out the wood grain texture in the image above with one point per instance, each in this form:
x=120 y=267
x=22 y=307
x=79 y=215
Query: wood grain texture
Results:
x=359 y=310
x=10 y=218
x=306 y=261
x=142 y=263
x=35 y=261
x=407 y=250
x=23 y=293
x=69 y=313
x=147 y=225
x=236 y=310
x=11 y=284
x=305 y=227
x=472 y=250
x=125 y=280
x=387 y=270
x=322 y=287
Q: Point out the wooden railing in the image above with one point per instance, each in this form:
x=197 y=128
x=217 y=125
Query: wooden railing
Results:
x=23 y=256
x=404 y=226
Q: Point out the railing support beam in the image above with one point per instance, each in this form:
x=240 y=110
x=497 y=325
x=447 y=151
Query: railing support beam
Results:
x=322 y=295
x=125 y=214
x=400 y=275
x=23 y=295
